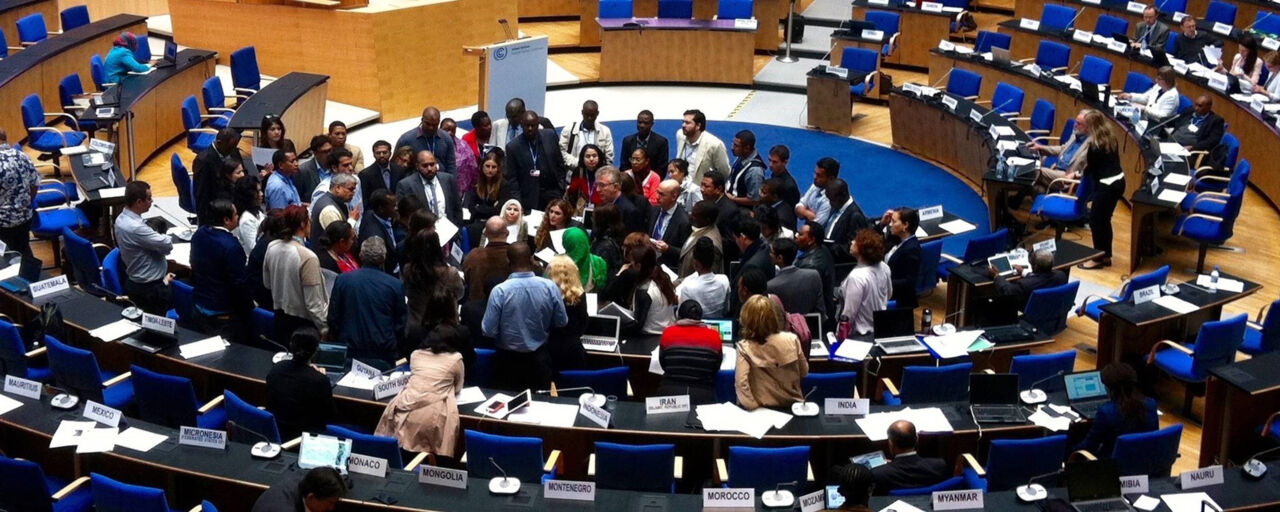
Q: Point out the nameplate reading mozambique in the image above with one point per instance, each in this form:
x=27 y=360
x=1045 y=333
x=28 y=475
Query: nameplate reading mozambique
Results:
x=1134 y=484
x=443 y=477
x=101 y=413
x=202 y=437
x=22 y=387
x=728 y=498
x=390 y=387
x=814 y=501
x=846 y=406
x=931 y=212
x=666 y=404
x=569 y=490
x=1047 y=245
x=158 y=323
x=1202 y=477
x=957 y=500
x=1147 y=294
x=49 y=286
x=366 y=465
x=597 y=415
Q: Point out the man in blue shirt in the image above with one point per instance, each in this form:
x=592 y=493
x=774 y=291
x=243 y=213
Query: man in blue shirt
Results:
x=521 y=312
x=367 y=310
x=280 y=192
x=120 y=60
x=427 y=137
x=218 y=276
x=814 y=205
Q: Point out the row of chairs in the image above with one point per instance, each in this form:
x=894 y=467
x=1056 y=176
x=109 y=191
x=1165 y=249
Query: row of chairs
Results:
x=25 y=486
x=727 y=9
x=1061 y=17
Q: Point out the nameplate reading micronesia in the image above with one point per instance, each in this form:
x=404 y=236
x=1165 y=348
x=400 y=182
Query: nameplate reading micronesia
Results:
x=597 y=415
x=728 y=498
x=957 y=500
x=1147 y=294
x=158 y=323
x=569 y=490
x=366 y=465
x=1202 y=477
x=444 y=477
x=202 y=437
x=814 y=501
x=390 y=387
x=101 y=413
x=1134 y=484
x=846 y=406
x=666 y=404
x=22 y=387
x=49 y=286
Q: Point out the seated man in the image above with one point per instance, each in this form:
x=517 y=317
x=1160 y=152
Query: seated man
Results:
x=907 y=469
x=319 y=490
x=1071 y=154
x=143 y=251
x=1042 y=276
x=1191 y=42
x=1202 y=130
x=1149 y=33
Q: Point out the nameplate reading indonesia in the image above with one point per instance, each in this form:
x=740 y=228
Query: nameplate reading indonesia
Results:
x=203 y=437
x=957 y=500
x=443 y=477
x=366 y=465
x=597 y=415
x=49 y=286
x=569 y=490
x=101 y=413
x=1202 y=477
x=729 y=498
x=666 y=404
x=22 y=387
x=846 y=406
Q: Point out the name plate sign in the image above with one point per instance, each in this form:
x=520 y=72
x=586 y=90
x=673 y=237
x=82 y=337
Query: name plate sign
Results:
x=729 y=498
x=666 y=404
x=1147 y=294
x=846 y=406
x=390 y=387
x=950 y=102
x=814 y=501
x=49 y=286
x=1136 y=7
x=1134 y=484
x=1202 y=477
x=203 y=437
x=22 y=387
x=366 y=465
x=1029 y=24
x=158 y=323
x=101 y=413
x=931 y=212
x=569 y=490
x=443 y=477
x=597 y=415
x=1047 y=245
x=957 y=500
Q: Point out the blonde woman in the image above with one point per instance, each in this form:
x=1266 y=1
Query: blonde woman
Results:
x=566 y=344
x=1106 y=179
x=771 y=361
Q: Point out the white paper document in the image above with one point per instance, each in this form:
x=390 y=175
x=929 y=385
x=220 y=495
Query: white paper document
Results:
x=115 y=330
x=1173 y=149
x=1188 y=502
x=181 y=254
x=70 y=432
x=98 y=440
x=135 y=438
x=471 y=395
x=954 y=344
x=446 y=230
x=8 y=404
x=1054 y=423
x=957 y=226
x=1224 y=284
x=1177 y=180
x=262 y=157
x=557 y=240
x=655 y=365
x=931 y=419
x=1172 y=195
x=203 y=347
x=729 y=358
x=110 y=192
x=1175 y=304
x=9 y=272
x=353 y=380
x=1146 y=503
x=854 y=350
x=730 y=417
x=546 y=414
x=901 y=506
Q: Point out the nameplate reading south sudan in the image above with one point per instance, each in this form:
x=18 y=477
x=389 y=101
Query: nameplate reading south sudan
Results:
x=202 y=437
x=22 y=387
x=101 y=413
x=1202 y=477
x=569 y=490
x=957 y=500
x=846 y=406
x=443 y=477
x=390 y=387
x=666 y=404
x=366 y=465
x=728 y=498
x=49 y=286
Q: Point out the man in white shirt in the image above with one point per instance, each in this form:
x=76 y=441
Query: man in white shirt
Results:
x=704 y=151
x=709 y=289
x=1161 y=101
x=577 y=135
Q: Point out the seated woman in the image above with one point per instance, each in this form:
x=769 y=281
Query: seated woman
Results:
x=854 y=483
x=424 y=416
x=298 y=393
x=644 y=288
x=512 y=214
x=771 y=361
x=691 y=372
x=1127 y=412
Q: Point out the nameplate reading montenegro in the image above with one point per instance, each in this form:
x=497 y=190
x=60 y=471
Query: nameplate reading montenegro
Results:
x=569 y=490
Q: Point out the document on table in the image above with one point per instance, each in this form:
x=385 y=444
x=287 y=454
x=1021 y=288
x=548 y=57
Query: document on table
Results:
x=952 y=345
x=9 y=271
x=1042 y=417
x=445 y=230
x=1224 y=284
x=1177 y=180
x=471 y=395
x=8 y=404
x=354 y=380
x=901 y=506
x=1172 y=195
x=854 y=350
x=115 y=330
x=957 y=226
x=69 y=433
x=1188 y=502
x=729 y=359
x=98 y=440
x=545 y=254
x=546 y=414
x=655 y=365
x=1173 y=149
x=110 y=192
x=135 y=438
x=727 y=416
x=1176 y=305
x=203 y=347
x=181 y=254
x=930 y=419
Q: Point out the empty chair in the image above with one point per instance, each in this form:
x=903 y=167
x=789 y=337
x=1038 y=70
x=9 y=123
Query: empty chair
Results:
x=49 y=222
x=111 y=274
x=1092 y=308
x=170 y=400
x=821 y=386
x=1267 y=23
x=988 y=40
x=964 y=83
x=889 y=23
x=979 y=248
x=1033 y=368
x=520 y=457
x=182 y=182
x=76 y=370
x=1010 y=462
x=41 y=135
x=1060 y=208
x=15 y=355
x=1263 y=335
x=615 y=9
x=24 y=486
x=675 y=8
x=1220 y=12
x=85 y=265
x=1206 y=176
x=245 y=77
x=735 y=10
x=950 y=484
x=245 y=420
x=1148 y=453
x=608 y=381
x=98 y=73
x=1212 y=216
x=4 y=46
x=1052 y=56
x=1042 y=118
x=765 y=468
x=643 y=468
x=215 y=102
x=483 y=368
x=183 y=300
x=382 y=447
x=1007 y=100
x=922 y=384
x=1214 y=198
x=199 y=138
x=74 y=16
x=1136 y=82
x=930 y=257
x=1096 y=71
x=114 y=496
x=31 y=29
x=1057 y=17
x=864 y=60
x=1215 y=345
x=1047 y=308
x=69 y=88
x=725 y=392
x=1110 y=26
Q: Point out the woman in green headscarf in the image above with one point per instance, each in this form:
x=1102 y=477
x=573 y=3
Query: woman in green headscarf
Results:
x=591 y=268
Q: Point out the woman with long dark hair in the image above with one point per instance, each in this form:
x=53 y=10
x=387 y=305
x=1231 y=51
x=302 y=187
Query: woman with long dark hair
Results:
x=1246 y=64
x=335 y=248
x=582 y=182
x=1106 y=177
x=248 y=201
x=272 y=133
x=429 y=282
x=646 y=289
x=1128 y=411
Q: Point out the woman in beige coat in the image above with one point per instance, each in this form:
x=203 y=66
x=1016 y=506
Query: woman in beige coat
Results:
x=771 y=361
x=424 y=416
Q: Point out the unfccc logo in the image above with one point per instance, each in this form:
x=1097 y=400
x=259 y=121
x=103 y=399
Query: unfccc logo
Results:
x=500 y=54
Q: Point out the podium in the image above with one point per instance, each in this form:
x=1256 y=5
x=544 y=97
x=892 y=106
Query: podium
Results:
x=512 y=69
x=829 y=102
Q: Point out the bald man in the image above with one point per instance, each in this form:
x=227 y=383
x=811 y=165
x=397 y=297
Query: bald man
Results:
x=486 y=261
x=907 y=469
x=669 y=224
x=1202 y=130
x=428 y=137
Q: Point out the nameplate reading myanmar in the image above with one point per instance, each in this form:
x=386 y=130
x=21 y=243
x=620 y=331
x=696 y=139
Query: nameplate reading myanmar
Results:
x=158 y=323
x=1202 y=477
x=390 y=387
x=101 y=413
x=1147 y=294
x=1134 y=484
x=814 y=501
x=569 y=490
x=729 y=498
x=666 y=404
x=597 y=415
x=957 y=500
x=846 y=406
x=22 y=387
x=202 y=437
x=366 y=465
x=49 y=286
x=443 y=477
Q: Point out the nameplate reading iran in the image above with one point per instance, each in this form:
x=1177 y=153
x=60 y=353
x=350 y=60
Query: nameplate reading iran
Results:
x=390 y=387
x=666 y=404
x=443 y=477
x=931 y=212
x=101 y=413
x=569 y=490
x=950 y=102
x=957 y=500
x=1147 y=294
x=203 y=437
x=49 y=286
x=729 y=498
x=1136 y=7
x=595 y=414
x=846 y=406
x=366 y=465
x=1047 y=245
x=1202 y=477
x=1029 y=24
x=158 y=323
x=22 y=387
x=1134 y=484
x=814 y=501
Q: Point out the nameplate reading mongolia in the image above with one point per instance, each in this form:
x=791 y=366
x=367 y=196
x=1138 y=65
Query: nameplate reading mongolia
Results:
x=101 y=413
x=569 y=490
x=1147 y=294
x=597 y=415
x=390 y=387
x=158 y=323
x=666 y=404
x=366 y=465
x=49 y=286
x=728 y=498
x=1136 y=7
x=957 y=500
x=202 y=437
x=22 y=387
x=1202 y=477
x=443 y=477
x=1134 y=484
x=846 y=406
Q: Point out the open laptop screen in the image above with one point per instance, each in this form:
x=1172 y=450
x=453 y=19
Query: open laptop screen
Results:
x=1084 y=385
x=602 y=327
x=890 y=323
x=724 y=326
x=993 y=388
x=1092 y=480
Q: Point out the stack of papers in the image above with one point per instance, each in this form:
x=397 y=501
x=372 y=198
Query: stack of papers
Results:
x=930 y=419
x=1172 y=195
x=203 y=347
x=1176 y=305
x=115 y=330
x=181 y=254
x=1224 y=284
x=1189 y=502
x=953 y=345
x=137 y=439
x=471 y=395
x=546 y=414
x=730 y=417
x=1056 y=418
x=957 y=226
x=1173 y=149
x=358 y=381
x=1177 y=180
x=70 y=433
x=8 y=404
x=901 y=506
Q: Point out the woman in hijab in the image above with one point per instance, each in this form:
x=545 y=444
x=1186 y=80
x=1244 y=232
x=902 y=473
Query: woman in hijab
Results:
x=591 y=268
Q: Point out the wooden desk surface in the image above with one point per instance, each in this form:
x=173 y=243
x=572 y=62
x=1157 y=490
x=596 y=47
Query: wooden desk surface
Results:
x=298 y=98
x=677 y=55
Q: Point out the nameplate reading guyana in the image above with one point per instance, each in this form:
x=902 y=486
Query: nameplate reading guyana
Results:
x=728 y=498
x=202 y=437
x=666 y=404
x=1202 y=477
x=569 y=490
x=366 y=465
x=957 y=500
x=22 y=387
x=443 y=477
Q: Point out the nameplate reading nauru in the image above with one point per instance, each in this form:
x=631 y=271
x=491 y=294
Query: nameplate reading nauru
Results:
x=666 y=404
x=728 y=498
x=1202 y=477
x=443 y=477
x=957 y=500
x=202 y=437
x=569 y=490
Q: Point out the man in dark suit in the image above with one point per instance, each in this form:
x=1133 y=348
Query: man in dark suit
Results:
x=792 y=284
x=534 y=165
x=729 y=214
x=1201 y=130
x=1042 y=276
x=609 y=187
x=218 y=276
x=434 y=190
x=788 y=190
x=754 y=250
x=654 y=145
x=907 y=469
x=769 y=197
x=813 y=254
x=845 y=221
x=904 y=255
x=1148 y=33
x=309 y=170
x=380 y=175
x=318 y=491
x=379 y=217
x=207 y=169
x=669 y=224
x=1191 y=42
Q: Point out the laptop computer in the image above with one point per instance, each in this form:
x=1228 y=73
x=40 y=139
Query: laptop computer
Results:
x=150 y=339
x=1094 y=486
x=993 y=398
x=725 y=327
x=894 y=331
x=1000 y=56
x=1001 y=264
x=1085 y=392
x=324 y=451
x=170 y=57
x=997 y=315
x=601 y=334
x=332 y=357
x=28 y=272
x=816 y=341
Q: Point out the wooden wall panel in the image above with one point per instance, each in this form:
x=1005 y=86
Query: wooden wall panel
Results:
x=99 y=9
x=547 y=8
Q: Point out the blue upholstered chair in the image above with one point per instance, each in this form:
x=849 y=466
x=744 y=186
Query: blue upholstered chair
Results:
x=1096 y=70
x=765 y=468
x=1052 y=56
x=24 y=486
x=76 y=370
x=1057 y=17
x=964 y=83
x=41 y=135
x=1010 y=462
x=921 y=384
x=68 y=89
x=1068 y=127
x=1032 y=368
x=245 y=77
x=1263 y=336
x=215 y=102
x=245 y=422
x=930 y=258
x=676 y=9
x=74 y=16
x=607 y=381
x=111 y=274
x=111 y=495
x=1266 y=22
x=1060 y=208
x=199 y=137
x=616 y=9
x=1215 y=345
x=483 y=369
x=142 y=51
x=182 y=182
x=988 y=40
x=1006 y=100
x=1043 y=116
x=1212 y=216
x=4 y=46
x=1215 y=198
x=1093 y=303
x=382 y=447
x=735 y=10
x=170 y=400
x=725 y=391
x=85 y=266
x=1108 y=25
x=950 y=484
x=1205 y=177
x=16 y=358
x=978 y=248
x=183 y=301
x=49 y=223
x=1136 y=82
x=32 y=29
x=864 y=60
x=1220 y=12
x=642 y=468
x=889 y=23
x=98 y=73
x=521 y=457
x=1047 y=308
x=829 y=385
x=1148 y=453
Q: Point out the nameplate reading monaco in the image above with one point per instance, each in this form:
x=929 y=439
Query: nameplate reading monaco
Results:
x=49 y=286
x=26 y=388
x=666 y=404
x=1134 y=484
x=1202 y=477
x=728 y=498
x=814 y=501
x=597 y=415
x=202 y=437
x=569 y=490
x=957 y=500
x=846 y=406
x=443 y=477
x=1147 y=294
x=158 y=323
x=366 y=465
x=390 y=387
x=101 y=413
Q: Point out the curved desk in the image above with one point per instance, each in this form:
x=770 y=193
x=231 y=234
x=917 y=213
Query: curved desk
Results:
x=766 y=39
x=919 y=30
x=676 y=50
x=297 y=98
x=1246 y=10
x=12 y=10
x=1088 y=18
x=38 y=68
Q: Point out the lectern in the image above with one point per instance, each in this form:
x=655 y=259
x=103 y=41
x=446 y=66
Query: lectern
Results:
x=512 y=69
x=829 y=102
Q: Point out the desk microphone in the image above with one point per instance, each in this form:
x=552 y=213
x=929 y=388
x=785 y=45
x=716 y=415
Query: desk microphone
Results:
x=804 y=408
x=64 y=400
x=590 y=397
x=982 y=119
x=1032 y=491
x=283 y=355
x=946 y=327
x=779 y=497
x=503 y=485
x=1254 y=468
x=131 y=310
x=976 y=423
x=265 y=449
x=1071 y=24
x=1074 y=68
x=1035 y=396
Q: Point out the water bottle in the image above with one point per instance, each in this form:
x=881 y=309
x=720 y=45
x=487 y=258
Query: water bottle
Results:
x=1213 y=280
x=926 y=320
